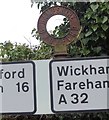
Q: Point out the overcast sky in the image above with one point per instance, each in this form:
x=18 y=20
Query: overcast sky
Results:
x=17 y=19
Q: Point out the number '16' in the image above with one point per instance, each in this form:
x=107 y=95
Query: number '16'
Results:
x=22 y=87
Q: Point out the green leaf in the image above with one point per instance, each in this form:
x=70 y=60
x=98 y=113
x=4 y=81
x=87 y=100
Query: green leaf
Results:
x=107 y=5
x=98 y=20
x=85 y=41
x=88 y=33
x=105 y=18
x=104 y=27
x=88 y=14
x=102 y=35
x=85 y=51
x=97 y=49
x=94 y=7
x=94 y=27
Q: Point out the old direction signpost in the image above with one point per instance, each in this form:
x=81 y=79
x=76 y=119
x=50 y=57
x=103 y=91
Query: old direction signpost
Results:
x=17 y=88
x=55 y=86
x=60 y=44
x=75 y=84
x=79 y=84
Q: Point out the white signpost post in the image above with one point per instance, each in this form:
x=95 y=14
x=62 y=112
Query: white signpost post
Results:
x=17 y=88
x=79 y=85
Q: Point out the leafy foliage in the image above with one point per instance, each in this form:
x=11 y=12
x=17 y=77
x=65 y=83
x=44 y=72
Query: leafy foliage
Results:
x=95 y=32
x=18 y=52
x=62 y=30
x=93 y=40
x=10 y=52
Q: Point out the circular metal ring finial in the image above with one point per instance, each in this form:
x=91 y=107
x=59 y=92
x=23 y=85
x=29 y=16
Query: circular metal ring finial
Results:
x=58 y=10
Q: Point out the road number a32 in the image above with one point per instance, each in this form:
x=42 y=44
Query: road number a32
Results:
x=82 y=98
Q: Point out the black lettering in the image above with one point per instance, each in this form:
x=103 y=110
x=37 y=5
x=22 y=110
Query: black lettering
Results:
x=63 y=70
x=7 y=75
x=107 y=69
x=1 y=73
x=92 y=70
x=13 y=74
x=74 y=85
x=71 y=70
x=68 y=86
x=89 y=83
x=82 y=85
x=85 y=98
x=98 y=84
x=62 y=99
x=21 y=73
x=59 y=84
x=75 y=71
x=101 y=70
x=105 y=84
x=24 y=87
x=1 y=87
x=84 y=70
x=75 y=98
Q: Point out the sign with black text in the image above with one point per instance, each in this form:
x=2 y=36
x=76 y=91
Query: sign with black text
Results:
x=79 y=84
x=17 y=88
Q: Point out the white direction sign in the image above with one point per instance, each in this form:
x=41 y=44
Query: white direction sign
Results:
x=17 y=88
x=79 y=85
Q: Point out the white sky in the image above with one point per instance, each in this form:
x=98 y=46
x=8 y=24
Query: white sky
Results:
x=17 y=19
x=54 y=21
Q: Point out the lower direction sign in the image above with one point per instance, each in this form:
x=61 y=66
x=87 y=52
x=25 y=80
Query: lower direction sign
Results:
x=79 y=84
x=17 y=88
